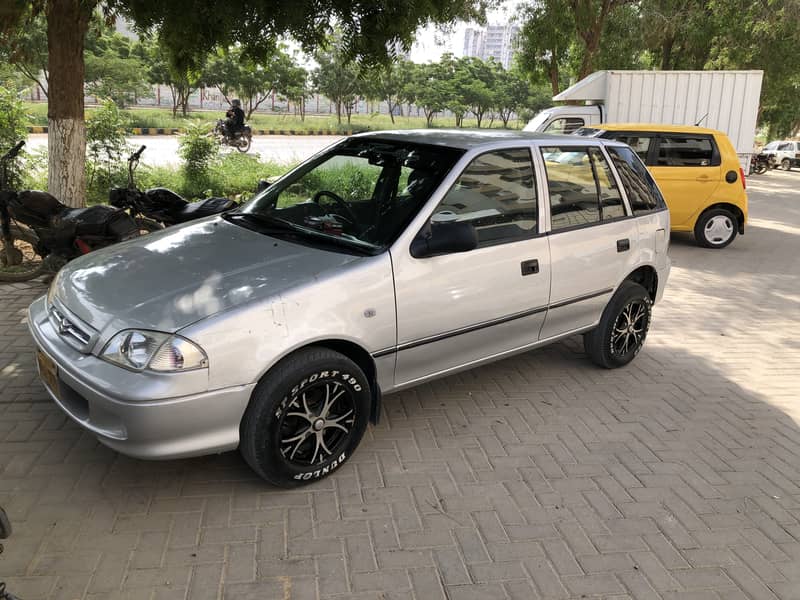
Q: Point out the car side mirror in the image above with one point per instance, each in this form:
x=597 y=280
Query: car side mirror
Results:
x=444 y=238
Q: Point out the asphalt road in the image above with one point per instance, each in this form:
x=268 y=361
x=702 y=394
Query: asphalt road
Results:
x=163 y=149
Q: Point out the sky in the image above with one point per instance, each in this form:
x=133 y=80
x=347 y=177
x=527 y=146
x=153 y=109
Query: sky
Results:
x=432 y=43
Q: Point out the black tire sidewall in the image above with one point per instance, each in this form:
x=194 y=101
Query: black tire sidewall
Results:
x=700 y=228
x=260 y=430
x=599 y=342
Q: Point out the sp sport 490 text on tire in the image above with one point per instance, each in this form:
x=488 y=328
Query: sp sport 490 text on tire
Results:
x=622 y=329
x=306 y=417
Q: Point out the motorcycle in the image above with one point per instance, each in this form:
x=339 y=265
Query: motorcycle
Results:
x=760 y=163
x=5 y=531
x=240 y=140
x=40 y=234
x=157 y=208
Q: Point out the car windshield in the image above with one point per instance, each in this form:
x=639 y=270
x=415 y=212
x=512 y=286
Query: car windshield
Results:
x=359 y=194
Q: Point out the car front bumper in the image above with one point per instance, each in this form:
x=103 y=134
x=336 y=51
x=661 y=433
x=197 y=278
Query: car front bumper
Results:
x=113 y=403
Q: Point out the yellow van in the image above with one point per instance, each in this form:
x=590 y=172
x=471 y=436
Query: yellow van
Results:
x=698 y=172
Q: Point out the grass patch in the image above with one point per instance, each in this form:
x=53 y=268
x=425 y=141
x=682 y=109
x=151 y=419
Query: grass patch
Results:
x=160 y=117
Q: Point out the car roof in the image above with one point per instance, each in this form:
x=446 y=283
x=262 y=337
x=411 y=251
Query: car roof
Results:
x=657 y=127
x=467 y=139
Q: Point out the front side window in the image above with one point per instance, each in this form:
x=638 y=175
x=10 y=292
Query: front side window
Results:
x=565 y=125
x=640 y=186
x=685 y=151
x=639 y=143
x=361 y=193
x=581 y=186
x=496 y=193
x=785 y=147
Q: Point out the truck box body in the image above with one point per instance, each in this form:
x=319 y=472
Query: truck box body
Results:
x=724 y=100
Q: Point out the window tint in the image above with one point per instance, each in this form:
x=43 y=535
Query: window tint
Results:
x=582 y=187
x=565 y=125
x=610 y=199
x=787 y=146
x=497 y=194
x=642 y=191
x=640 y=144
x=682 y=151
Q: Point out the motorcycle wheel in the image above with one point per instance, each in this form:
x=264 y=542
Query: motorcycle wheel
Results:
x=147 y=225
x=760 y=168
x=243 y=143
x=21 y=262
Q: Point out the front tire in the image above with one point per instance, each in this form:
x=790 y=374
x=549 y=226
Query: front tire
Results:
x=716 y=228
x=306 y=417
x=623 y=327
x=786 y=164
x=243 y=144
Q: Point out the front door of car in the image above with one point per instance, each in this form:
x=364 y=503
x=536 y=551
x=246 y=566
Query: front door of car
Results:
x=687 y=169
x=593 y=242
x=455 y=309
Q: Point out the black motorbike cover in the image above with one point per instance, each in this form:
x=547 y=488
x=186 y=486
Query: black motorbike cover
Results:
x=100 y=221
x=34 y=208
x=162 y=199
x=204 y=208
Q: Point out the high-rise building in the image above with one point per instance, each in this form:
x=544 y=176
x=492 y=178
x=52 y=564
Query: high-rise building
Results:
x=496 y=41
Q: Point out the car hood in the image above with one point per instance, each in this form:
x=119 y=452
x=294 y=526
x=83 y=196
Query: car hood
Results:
x=172 y=278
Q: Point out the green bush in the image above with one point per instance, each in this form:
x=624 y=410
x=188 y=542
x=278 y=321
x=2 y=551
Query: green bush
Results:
x=197 y=149
x=106 y=150
x=13 y=127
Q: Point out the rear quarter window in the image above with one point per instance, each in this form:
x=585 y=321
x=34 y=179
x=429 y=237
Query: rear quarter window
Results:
x=643 y=193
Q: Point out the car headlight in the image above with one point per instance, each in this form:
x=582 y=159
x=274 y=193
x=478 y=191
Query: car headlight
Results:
x=139 y=349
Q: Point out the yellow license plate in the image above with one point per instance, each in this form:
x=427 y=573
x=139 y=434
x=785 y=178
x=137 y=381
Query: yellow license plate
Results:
x=48 y=371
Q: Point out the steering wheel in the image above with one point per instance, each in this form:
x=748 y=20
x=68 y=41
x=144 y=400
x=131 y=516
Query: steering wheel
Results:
x=350 y=215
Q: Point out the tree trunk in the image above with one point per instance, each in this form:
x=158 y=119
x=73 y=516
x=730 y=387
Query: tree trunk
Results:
x=67 y=22
x=666 y=53
x=554 y=80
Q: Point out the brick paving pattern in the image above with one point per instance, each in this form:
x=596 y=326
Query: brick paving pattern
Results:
x=541 y=476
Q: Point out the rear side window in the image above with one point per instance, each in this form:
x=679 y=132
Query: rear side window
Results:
x=582 y=188
x=685 y=151
x=640 y=143
x=642 y=190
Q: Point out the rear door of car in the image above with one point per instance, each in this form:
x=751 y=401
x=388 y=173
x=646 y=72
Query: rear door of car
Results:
x=687 y=169
x=593 y=238
x=456 y=309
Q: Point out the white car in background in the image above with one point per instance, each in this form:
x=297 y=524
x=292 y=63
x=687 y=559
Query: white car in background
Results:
x=786 y=153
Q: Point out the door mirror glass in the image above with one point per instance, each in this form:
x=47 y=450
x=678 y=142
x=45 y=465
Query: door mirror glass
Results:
x=444 y=238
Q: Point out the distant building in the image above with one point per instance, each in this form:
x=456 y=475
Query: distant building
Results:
x=495 y=41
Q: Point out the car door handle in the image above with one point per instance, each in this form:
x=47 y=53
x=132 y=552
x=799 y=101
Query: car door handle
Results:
x=704 y=178
x=529 y=267
x=623 y=245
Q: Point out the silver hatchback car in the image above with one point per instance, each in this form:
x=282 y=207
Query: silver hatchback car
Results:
x=387 y=260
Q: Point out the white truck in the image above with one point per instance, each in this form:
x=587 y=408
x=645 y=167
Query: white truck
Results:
x=724 y=100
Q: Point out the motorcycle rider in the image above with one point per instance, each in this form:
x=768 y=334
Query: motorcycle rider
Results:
x=234 y=118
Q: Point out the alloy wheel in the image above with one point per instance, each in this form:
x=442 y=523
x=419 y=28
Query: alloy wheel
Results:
x=629 y=328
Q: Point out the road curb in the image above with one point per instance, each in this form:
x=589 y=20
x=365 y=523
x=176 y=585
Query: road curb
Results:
x=178 y=131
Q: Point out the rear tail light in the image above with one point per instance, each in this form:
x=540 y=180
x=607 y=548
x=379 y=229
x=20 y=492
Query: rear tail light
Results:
x=83 y=247
x=741 y=175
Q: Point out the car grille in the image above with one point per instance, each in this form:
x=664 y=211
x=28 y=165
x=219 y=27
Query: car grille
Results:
x=76 y=335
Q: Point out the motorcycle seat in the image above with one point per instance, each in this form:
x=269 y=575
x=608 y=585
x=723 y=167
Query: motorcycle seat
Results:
x=204 y=208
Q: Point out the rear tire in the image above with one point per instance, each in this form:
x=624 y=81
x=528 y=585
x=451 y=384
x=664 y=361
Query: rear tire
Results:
x=26 y=262
x=623 y=327
x=716 y=228
x=305 y=418
x=243 y=144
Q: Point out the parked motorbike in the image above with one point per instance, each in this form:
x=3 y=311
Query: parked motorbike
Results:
x=5 y=531
x=760 y=163
x=157 y=208
x=240 y=140
x=40 y=234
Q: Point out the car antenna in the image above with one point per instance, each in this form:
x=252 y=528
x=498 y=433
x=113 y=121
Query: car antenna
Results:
x=703 y=118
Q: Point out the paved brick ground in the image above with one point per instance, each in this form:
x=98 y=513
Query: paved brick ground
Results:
x=537 y=477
